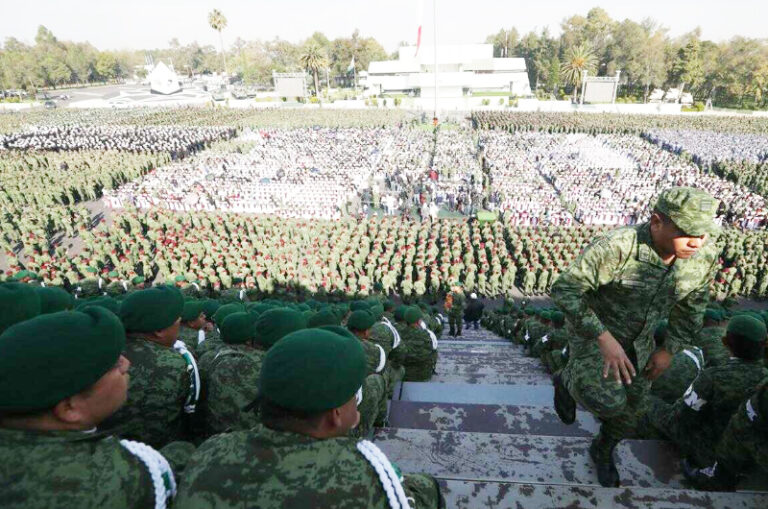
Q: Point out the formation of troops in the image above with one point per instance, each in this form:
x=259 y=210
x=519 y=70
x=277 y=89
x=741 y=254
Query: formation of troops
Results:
x=182 y=336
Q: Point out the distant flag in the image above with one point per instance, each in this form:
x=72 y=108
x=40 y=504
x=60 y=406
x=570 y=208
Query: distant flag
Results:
x=351 y=66
x=420 y=12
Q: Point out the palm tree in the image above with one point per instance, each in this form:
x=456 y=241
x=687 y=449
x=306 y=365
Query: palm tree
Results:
x=218 y=22
x=579 y=59
x=314 y=59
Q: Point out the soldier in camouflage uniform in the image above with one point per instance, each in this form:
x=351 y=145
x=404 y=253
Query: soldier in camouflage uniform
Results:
x=455 y=311
x=361 y=323
x=742 y=447
x=613 y=296
x=192 y=329
x=556 y=338
x=63 y=373
x=165 y=382
x=684 y=368
x=711 y=338
x=420 y=348
x=231 y=378
x=305 y=456
x=696 y=421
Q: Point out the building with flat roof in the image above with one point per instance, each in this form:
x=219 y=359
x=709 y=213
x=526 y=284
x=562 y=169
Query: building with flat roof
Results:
x=462 y=70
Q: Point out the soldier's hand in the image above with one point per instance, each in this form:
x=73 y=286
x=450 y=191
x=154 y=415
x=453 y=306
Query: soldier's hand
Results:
x=658 y=362
x=615 y=360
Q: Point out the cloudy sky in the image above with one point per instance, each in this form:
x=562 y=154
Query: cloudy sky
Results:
x=112 y=24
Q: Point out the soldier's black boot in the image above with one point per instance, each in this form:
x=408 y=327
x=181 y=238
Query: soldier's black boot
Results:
x=607 y=474
x=565 y=405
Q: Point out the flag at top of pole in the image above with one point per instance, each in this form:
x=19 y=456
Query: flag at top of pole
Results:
x=351 y=66
x=420 y=12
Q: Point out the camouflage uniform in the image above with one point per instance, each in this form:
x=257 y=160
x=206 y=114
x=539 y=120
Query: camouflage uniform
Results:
x=684 y=368
x=456 y=314
x=158 y=391
x=696 y=421
x=421 y=355
x=619 y=284
x=283 y=470
x=711 y=343
x=65 y=469
x=231 y=381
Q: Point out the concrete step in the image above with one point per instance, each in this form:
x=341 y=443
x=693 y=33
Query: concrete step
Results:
x=471 y=393
x=525 y=458
x=514 y=377
x=495 y=495
x=505 y=419
x=472 y=335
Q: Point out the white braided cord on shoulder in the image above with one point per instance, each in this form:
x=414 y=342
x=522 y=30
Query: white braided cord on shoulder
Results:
x=382 y=359
x=387 y=475
x=159 y=471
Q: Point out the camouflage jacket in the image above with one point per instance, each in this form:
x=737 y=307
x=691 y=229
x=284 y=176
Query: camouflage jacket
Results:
x=231 y=385
x=418 y=345
x=65 y=469
x=684 y=368
x=190 y=337
x=715 y=395
x=382 y=336
x=157 y=392
x=457 y=308
x=619 y=284
x=375 y=356
x=711 y=342
x=282 y=470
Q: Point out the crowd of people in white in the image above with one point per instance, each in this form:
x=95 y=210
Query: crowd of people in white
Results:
x=707 y=147
x=535 y=178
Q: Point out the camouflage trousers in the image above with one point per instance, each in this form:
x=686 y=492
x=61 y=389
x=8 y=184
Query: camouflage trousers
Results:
x=373 y=408
x=618 y=407
x=698 y=446
x=743 y=446
x=455 y=322
x=424 y=490
x=420 y=369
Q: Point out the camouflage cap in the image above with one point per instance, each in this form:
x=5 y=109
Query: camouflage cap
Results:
x=692 y=210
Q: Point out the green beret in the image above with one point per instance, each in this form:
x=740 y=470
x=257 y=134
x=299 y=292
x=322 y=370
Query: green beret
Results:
x=530 y=311
x=388 y=305
x=179 y=278
x=54 y=299
x=19 y=302
x=104 y=301
x=113 y=274
x=377 y=311
x=747 y=327
x=54 y=356
x=226 y=310
x=21 y=274
x=137 y=280
x=360 y=320
x=238 y=328
x=261 y=307
x=558 y=318
x=91 y=270
x=308 y=314
x=338 y=329
x=359 y=305
x=711 y=314
x=153 y=309
x=209 y=307
x=324 y=317
x=237 y=280
x=412 y=315
x=546 y=314
x=294 y=365
x=400 y=312
x=303 y=307
x=276 y=323
x=192 y=309
x=691 y=209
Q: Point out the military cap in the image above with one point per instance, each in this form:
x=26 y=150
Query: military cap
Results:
x=260 y=307
x=276 y=323
x=54 y=299
x=691 y=209
x=21 y=275
x=711 y=314
x=103 y=301
x=153 y=309
x=54 y=356
x=324 y=317
x=294 y=364
x=360 y=320
x=226 y=310
x=400 y=312
x=530 y=311
x=748 y=328
x=338 y=329
x=137 y=280
x=209 y=307
x=558 y=317
x=113 y=274
x=238 y=328
x=412 y=315
x=192 y=309
x=19 y=302
x=359 y=305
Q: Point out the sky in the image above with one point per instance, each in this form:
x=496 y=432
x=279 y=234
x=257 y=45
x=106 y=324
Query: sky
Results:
x=142 y=24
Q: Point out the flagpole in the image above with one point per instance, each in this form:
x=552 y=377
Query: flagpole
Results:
x=434 y=21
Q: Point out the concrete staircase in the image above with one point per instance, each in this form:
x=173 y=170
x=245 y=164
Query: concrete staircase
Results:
x=485 y=427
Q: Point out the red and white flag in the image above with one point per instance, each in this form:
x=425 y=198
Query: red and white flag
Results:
x=420 y=14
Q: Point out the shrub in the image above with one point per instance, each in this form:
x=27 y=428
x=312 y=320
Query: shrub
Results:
x=284 y=99
x=398 y=101
x=485 y=102
x=374 y=102
x=384 y=103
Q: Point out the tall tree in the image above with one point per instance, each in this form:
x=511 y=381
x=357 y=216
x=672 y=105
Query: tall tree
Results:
x=578 y=59
x=218 y=22
x=313 y=59
x=504 y=42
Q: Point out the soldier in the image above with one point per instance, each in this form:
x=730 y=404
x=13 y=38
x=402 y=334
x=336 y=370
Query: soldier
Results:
x=684 y=368
x=613 y=295
x=305 y=452
x=360 y=323
x=165 y=382
x=454 y=306
x=231 y=379
x=420 y=348
x=19 y=302
x=696 y=421
x=742 y=447
x=711 y=338
x=192 y=329
x=63 y=373
x=474 y=311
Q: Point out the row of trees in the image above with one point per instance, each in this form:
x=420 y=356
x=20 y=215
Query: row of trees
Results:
x=732 y=73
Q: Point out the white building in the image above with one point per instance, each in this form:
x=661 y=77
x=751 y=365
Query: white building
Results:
x=163 y=80
x=462 y=69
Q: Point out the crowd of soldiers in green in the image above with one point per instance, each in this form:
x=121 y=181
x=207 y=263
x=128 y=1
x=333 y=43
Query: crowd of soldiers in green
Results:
x=730 y=438
x=154 y=396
